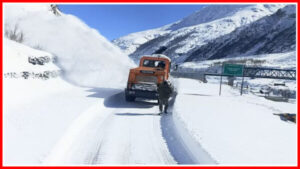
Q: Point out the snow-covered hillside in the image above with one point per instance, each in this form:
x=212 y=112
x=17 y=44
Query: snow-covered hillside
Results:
x=271 y=34
x=85 y=57
x=179 y=38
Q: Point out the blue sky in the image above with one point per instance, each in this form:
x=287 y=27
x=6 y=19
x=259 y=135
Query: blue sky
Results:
x=114 y=21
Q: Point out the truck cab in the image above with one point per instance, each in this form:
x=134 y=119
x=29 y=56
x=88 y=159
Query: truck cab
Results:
x=143 y=80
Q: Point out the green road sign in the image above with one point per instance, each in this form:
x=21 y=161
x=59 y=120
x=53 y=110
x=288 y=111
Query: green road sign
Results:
x=233 y=69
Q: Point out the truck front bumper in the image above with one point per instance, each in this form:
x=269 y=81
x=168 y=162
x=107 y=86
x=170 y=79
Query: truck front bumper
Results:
x=142 y=93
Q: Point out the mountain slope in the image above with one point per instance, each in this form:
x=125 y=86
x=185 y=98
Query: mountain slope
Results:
x=271 y=34
x=85 y=57
x=179 y=38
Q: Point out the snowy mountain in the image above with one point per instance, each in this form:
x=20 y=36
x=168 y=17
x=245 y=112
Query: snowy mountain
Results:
x=270 y=34
x=178 y=39
x=85 y=57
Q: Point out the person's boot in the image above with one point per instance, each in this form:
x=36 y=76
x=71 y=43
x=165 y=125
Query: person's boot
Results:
x=166 y=108
x=160 y=109
x=160 y=112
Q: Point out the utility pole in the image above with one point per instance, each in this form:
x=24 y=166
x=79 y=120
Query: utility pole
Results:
x=221 y=79
x=242 y=84
x=220 y=86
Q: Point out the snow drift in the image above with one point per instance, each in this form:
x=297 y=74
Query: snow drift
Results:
x=85 y=57
x=16 y=58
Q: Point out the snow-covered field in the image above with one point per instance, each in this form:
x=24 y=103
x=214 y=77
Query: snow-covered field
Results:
x=234 y=129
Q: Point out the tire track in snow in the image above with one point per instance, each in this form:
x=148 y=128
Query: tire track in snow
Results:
x=77 y=146
x=182 y=146
x=116 y=132
x=133 y=135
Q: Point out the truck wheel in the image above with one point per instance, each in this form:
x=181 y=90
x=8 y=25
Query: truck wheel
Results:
x=129 y=98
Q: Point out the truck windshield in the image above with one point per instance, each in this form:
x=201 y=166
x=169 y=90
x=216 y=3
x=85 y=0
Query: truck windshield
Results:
x=154 y=63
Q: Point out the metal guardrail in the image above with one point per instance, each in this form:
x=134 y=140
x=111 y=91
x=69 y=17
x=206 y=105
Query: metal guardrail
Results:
x=271 y=73
x=253 y=72
x=257 y=72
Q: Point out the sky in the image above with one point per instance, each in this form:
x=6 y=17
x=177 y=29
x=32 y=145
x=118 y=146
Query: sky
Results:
x=114 y=21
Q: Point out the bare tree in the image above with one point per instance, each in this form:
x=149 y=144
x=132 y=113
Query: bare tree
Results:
x=14 y=33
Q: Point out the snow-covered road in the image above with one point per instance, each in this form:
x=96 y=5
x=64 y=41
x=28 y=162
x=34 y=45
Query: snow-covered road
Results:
x=114 y=132
x=68 y=125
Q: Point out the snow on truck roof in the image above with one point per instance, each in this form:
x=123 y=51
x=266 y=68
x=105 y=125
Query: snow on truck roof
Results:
x=159 y=56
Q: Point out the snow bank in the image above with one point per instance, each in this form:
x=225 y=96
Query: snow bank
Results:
x=234 y=129
x=85 y=56
x=16 y=58
x=36 y=113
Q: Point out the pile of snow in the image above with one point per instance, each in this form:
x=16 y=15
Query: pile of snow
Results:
x=85 y=57
x=234 y=129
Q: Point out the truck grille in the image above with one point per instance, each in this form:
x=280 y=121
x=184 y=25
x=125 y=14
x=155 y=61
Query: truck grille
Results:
x=147 y=79
x=145 y=86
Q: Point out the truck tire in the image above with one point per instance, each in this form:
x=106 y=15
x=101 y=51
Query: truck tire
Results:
x=129 y=98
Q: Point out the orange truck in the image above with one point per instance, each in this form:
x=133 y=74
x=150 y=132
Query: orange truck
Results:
x=143 y=80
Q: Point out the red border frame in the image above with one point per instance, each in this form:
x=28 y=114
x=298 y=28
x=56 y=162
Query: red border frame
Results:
x=146 y=1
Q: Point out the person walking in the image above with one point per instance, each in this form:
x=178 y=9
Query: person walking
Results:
x=164 y=93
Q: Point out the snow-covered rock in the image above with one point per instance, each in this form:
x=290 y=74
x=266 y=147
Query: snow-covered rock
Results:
x=16 y=58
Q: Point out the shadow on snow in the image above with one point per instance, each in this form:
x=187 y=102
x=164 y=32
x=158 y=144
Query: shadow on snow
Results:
x=115 y=98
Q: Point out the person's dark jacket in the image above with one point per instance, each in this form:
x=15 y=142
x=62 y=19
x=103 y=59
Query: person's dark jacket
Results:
x=164 y=90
